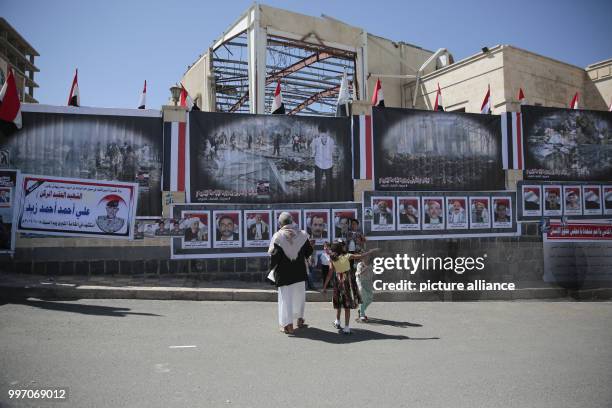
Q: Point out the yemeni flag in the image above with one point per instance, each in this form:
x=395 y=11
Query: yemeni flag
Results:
x=521 y=97
x=378 y=99
x=278 y=108
x=574 y=102
x=185 y=100
x=343 y=97
x=10 y=107
x=486 y=103
x=74 y=99
x=438 y=105
x=143 y=97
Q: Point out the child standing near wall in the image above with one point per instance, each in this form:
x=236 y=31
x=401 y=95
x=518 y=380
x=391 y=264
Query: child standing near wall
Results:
x=364 y=283
x=346 y=294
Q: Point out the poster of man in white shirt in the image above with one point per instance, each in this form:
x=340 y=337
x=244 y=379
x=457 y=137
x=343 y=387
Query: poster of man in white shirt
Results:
x=257 y=228
x=323 y=149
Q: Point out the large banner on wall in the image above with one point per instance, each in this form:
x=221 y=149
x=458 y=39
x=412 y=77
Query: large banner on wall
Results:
x=424 y=150
x=100 y=144
x=268 y=158
x=439 y=214
x=8 y=184
x=76 y=207
x=567 y=144
x=244 y=230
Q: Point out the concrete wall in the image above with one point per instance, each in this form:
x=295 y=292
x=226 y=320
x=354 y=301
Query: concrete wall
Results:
x=600 y=75
x=197 y=82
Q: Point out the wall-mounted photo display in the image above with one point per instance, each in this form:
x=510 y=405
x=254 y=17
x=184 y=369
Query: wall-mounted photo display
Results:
x=145 y=227
x=257 y=228
x=383 y=218
x=591 y=199
x=443 y=214
x=607 y=199
x=577 y=200
x=457 y=213
x=233 y=230
x=553 y=202
x=227 y=229
x=480 y=212
x=296 y=215
x=317 y=225
x=433 y=212
x=408 y=213
x=502 y=212
x=531 y=196
x=341 y=219
x=572 y=201
x=197 y=229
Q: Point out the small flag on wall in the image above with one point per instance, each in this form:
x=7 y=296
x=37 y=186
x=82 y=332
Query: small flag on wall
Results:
x=10 y=107
x=378 y=98
x=574 y=102
x=74 y=99
x=278 y=107
x=143 y=97
x=362 y=147
x=485 y=108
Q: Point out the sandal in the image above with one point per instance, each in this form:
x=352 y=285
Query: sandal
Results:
x=301 y=323
x=286 y=330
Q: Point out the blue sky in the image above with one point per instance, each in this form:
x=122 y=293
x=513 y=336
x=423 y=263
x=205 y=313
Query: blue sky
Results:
x=118 y=44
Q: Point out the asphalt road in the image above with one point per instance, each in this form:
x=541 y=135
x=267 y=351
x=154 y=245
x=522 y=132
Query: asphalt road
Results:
x=112 y=353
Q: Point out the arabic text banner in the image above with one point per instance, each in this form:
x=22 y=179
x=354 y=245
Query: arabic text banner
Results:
x=76 y=207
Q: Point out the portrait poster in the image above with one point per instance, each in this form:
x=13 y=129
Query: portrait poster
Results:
x=296 y=215
x=433 y=213
x=8 y=192
x=341 y=219
x=502 y=211
x=591 y=200
x=408 y=213
x=257 y=228
x=383 y=218
x=607 y=196
x=76 y=207
x=567 y=144
x=227 y=233
x=317 y=225
x=572 y=204
x=457 y=213
x=238 y=158
x=196 y=225
x=122 y=145
x=531 y=196
x=480 y=212
x=427 y=150
x=553 y=200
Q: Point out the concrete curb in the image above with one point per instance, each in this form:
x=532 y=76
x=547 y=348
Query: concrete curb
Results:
x=73 y=292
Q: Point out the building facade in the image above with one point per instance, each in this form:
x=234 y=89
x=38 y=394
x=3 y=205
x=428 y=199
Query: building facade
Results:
x=17 y=53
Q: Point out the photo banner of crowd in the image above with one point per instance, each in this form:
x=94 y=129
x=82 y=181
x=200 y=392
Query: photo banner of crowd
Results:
x=567 y=144
x=267 y=159
x=425 y=150
x=91 y=143
x=439 y=214
x=8 y=191
x=244 y=230
x=575 y=200
x=75 y=207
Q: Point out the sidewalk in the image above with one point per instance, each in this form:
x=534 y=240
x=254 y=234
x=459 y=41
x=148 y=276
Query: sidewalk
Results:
x=19 y=286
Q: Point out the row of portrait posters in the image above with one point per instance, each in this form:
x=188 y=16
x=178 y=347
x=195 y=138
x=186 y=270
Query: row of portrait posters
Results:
x=251 y=229
x=424 y=213
x=565 y=199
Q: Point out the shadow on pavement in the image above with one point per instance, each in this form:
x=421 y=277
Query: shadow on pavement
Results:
x=384 y=322
x=356 y=336
x=80 y=308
